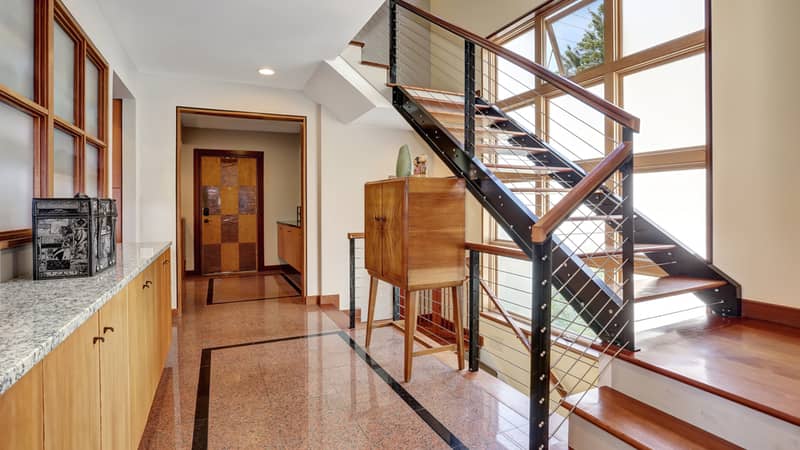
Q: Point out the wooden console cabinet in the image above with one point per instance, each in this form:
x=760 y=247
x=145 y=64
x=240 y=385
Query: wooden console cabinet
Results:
x=414 y=232
x=94 y=390
x=290 y=245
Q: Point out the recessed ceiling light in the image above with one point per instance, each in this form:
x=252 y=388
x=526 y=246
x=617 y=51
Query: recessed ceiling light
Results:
x=266 y=71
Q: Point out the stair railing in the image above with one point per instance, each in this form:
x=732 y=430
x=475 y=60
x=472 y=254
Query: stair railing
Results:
x=557 y=277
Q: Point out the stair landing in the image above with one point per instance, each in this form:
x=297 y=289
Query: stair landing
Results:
x=751 y=362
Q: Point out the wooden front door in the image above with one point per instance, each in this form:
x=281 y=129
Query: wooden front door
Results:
x=229 y=210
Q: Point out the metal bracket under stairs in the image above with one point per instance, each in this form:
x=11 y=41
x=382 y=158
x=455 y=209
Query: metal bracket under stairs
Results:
x=592 y=299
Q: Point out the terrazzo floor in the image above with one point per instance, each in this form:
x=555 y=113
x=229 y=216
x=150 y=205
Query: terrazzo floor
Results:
x=280 y=374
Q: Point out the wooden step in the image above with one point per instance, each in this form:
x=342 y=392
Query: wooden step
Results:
x=540 y=190
x=673 y=285
x=445 y=102
x=638 y=424
x=459 y=131
x=358 y=44
x=457 y=117
x=375 y=64
x=493 y=148
x=522 y=167
x=637 y=248
x=409 y=87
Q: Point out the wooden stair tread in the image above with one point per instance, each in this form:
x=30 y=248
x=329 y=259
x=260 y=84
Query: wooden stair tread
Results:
x=357 y=43
x=517 y=148
x=375 y=64
x=445 y=114
x=445 y=101
x=411 y=87
x=541 y=190
x=506 y=167
x=489 y=131
x=639 y=424
x=672 y=285
x=637 y=248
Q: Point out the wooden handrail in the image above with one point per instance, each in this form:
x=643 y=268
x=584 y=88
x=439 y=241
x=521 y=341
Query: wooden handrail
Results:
x=498 y=250
x=557 y=214
x=610 y=110
x=355 y=235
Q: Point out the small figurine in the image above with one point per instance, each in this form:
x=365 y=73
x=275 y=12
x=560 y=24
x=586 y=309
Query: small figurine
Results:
x=421 y=166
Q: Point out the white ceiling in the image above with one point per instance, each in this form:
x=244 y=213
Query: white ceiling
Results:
x=231 y=39
x=237 y=124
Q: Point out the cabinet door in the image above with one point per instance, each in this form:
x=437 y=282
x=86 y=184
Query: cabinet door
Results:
x=141 y=353
x=394 y=231
x=165 y=307
x=72 y=391
x=114 y=367
x=21 y=416
x=373 y=229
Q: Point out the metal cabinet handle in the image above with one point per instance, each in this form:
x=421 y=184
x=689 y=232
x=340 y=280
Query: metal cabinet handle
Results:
x=98 y=338
x=106 y=329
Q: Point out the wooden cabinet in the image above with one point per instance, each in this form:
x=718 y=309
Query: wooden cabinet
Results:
x=72 y=391
x=141 y=313
x=290 y=245
x=21 y=415
x=114 y=373
x=414 y=231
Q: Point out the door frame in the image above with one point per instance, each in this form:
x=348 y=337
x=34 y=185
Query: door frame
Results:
x=198 y=229
x=179 y=251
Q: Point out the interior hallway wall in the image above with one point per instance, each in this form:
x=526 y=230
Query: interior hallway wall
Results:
x=756 y=106
x=282 y=184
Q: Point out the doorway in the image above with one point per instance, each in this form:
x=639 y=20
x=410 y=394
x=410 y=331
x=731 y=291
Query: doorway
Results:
x=239 y=175
x=229 y=211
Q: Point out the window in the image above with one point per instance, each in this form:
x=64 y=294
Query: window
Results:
x=616 y=49
x=30 y=164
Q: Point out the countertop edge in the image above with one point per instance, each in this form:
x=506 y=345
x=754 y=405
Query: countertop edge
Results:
x=20 y=369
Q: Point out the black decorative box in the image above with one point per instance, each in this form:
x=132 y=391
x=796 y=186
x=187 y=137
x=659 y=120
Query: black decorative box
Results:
x=73 y=237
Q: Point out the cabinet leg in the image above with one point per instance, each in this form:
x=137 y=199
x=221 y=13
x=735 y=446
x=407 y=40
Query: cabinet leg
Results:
x=459 y=328
x=373 y=292
x=410 y=329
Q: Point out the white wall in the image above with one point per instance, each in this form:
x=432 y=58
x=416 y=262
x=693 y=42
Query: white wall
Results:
x=756 y=107
x=282 y=173
x=156 y=109
x=351 y=156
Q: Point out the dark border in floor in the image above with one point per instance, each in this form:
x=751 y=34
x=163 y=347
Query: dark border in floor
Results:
x=200 y=435
x=210 y=294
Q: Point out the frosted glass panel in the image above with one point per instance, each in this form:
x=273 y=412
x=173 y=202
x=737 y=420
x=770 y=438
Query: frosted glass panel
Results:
x=64 y=161
x=64 y=73
x=16 y=168
x=671 y=102
x=646 y=23
x=92 y=98
x=16 y=46
x=511 y=79
x=576 y=130
x=91 y=166
x=676 y=201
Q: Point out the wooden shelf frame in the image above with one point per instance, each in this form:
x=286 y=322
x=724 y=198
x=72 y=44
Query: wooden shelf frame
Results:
x=41 y=107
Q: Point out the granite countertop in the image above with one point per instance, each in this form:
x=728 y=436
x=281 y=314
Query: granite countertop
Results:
x=291 y=223
x=36 y=316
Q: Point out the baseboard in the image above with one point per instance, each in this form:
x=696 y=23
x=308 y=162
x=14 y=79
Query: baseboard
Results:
x=784 y=315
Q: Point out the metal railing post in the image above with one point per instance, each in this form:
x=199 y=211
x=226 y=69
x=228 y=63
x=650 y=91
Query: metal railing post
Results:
x=469 y=98
x=626 y=317
x=352 y=283
x=392 y=41
x=542 y=273
x=474 y=309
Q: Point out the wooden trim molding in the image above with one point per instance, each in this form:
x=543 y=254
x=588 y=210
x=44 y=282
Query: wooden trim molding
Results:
x=770 y=312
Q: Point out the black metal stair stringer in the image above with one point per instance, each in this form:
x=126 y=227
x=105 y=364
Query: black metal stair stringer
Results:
x=587 y=294
x=724 y=301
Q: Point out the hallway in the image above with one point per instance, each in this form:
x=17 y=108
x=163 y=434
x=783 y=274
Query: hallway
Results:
x=281 y=374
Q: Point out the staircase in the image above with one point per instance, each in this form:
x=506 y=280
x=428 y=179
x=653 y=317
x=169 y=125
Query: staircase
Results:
x=591 y=252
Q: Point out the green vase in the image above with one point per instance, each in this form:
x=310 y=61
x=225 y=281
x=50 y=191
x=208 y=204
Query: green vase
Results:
x=403 y=168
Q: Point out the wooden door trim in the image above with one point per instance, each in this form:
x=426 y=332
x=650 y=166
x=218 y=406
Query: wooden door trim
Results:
x=198 y=229
x=302 y=120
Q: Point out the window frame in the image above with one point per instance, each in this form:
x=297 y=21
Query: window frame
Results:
x=611 y=73
x=41 y=108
